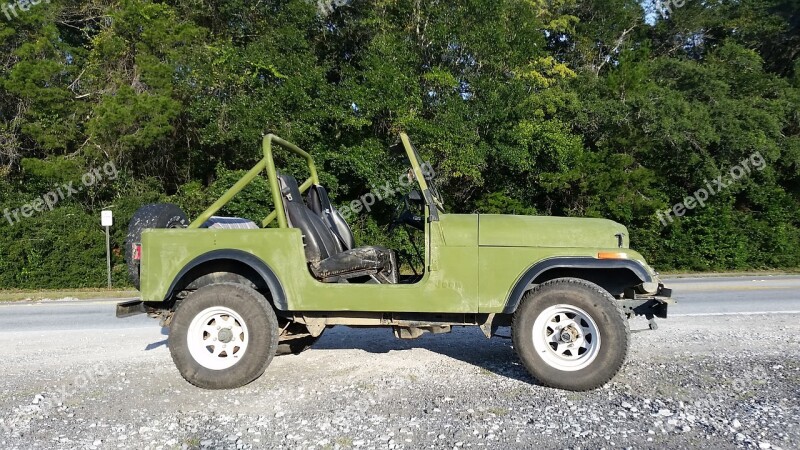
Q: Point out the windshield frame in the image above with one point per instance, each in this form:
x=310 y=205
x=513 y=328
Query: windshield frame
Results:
x=431 y=196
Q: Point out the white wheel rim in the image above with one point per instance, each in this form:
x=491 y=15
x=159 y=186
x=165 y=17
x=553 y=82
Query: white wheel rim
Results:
x=217 y=338
x=566 y=337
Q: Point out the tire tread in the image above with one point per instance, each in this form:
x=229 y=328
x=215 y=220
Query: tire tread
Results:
x=530 y=296
x=228 y=382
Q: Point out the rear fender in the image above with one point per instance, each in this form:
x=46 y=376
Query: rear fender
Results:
x=215 y=266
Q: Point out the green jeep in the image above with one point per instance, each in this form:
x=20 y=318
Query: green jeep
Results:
x=235 y=294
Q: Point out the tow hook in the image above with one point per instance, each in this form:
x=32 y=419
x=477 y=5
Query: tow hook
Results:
x=649 y=307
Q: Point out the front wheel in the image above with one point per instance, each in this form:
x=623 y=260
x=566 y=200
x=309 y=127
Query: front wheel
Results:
x=570 y=334
x=223 y=336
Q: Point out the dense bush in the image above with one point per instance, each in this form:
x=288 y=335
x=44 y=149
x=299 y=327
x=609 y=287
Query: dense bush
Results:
x=593 y=108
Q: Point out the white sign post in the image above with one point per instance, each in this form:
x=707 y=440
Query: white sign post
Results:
x=106 y=220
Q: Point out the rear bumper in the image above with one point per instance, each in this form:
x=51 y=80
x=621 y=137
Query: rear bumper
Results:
x=130 y=308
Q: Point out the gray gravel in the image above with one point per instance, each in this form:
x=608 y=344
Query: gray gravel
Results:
x=721 y=381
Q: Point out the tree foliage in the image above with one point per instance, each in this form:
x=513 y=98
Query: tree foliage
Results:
x=592 y=108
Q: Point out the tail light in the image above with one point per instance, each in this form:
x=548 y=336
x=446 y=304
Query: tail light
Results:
x=137 y=252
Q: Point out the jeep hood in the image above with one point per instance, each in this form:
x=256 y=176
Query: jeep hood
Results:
x=496 y=230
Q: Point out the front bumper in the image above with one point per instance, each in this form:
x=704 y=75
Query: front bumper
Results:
x=649 y=306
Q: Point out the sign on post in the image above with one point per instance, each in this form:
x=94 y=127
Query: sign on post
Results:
x=107 y=220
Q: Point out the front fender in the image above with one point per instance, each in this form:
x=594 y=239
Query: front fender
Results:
x=539 y=269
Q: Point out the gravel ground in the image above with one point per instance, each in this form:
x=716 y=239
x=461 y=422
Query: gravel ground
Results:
x=712 y=382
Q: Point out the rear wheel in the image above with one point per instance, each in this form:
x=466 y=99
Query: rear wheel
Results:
x=223 y=336
x=570 y=334
x=157 y=215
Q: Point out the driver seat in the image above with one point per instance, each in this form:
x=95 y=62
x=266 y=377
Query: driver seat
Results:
x=327 y=257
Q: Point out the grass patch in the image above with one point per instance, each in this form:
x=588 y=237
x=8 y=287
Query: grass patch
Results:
x=574 y=396
x=516 y=391
x=679 y=393
x=83 y=294
x=364 y=386
x=499 y=412
x=344 y=442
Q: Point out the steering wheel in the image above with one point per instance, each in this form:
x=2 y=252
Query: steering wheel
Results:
x=405 y=216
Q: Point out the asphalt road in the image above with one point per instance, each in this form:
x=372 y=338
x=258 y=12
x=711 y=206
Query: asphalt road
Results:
x=694 y=296
x=735 y=295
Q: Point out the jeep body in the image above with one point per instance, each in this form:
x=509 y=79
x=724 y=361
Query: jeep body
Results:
x=477 y=267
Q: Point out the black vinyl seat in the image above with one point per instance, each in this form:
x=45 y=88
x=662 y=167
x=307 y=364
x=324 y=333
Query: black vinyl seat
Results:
x=319 y=202
x=326 y=250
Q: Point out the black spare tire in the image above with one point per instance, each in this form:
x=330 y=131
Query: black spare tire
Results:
x=157 y=215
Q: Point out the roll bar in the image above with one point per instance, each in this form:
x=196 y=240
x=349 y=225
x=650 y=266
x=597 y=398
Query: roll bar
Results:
x=268 y=163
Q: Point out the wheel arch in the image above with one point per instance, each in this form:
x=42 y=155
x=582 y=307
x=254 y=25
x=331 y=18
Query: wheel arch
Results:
x=612 y=275
x=227 y=265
